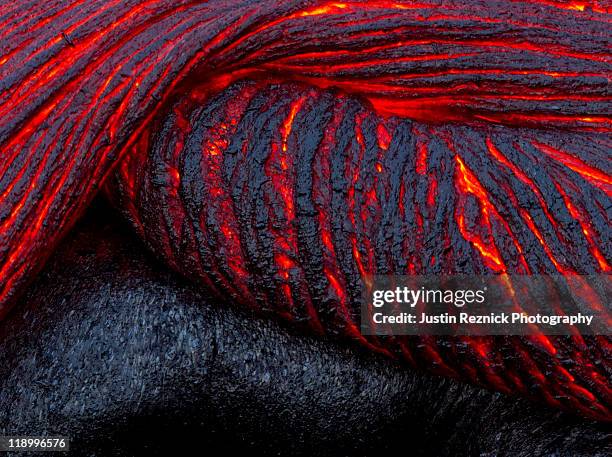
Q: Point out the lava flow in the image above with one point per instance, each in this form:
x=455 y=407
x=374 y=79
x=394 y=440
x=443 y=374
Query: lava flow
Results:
x=278 y=154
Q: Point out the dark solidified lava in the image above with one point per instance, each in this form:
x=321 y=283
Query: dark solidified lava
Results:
x=280 y=153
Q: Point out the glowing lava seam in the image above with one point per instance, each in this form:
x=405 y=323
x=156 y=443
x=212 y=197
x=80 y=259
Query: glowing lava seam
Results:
x=278 y=153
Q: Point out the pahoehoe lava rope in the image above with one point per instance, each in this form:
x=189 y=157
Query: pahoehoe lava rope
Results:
x=279 y=153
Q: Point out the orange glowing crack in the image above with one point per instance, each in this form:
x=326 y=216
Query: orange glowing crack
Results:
x=383 y=136
x=591 y=174
x=283 y=188
x=288 y=124
x=468 y=183
x=500 y=157
x=421 y=159
x=333 y=7
x=586 y=230
x=534 y=229
x=351 y=194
